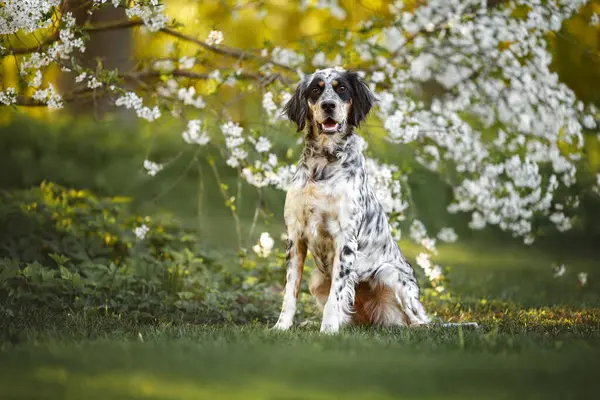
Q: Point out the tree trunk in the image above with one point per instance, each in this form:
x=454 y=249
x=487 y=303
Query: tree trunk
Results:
x=112 y=49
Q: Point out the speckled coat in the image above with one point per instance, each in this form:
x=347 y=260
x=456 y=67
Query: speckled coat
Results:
x=331 y=210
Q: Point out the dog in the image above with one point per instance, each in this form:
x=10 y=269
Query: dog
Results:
x=361 y=276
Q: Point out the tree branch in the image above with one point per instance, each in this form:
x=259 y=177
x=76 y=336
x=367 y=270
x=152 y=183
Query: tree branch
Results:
x=226 y=51
x=77 y=95
x=263 y=79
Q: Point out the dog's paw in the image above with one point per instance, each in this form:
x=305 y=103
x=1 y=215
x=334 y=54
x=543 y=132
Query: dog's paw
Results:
x=330 y=325
x=332 y=320
x=282 y=326
x=330 y=329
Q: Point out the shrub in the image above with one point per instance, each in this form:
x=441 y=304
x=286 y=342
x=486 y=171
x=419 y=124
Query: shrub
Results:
x=65 y=249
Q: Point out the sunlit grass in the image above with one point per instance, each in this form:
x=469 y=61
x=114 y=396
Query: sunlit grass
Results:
x=83 y=359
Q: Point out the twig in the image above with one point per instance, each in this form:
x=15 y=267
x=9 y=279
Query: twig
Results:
x=226 y=51
x=232 y=208
x=256 y=212
x=200 y=196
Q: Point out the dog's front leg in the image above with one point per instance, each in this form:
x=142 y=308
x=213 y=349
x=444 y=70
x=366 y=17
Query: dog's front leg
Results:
x=339 y=304
x=295 y=254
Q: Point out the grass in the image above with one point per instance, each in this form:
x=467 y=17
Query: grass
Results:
x=536 y=351
x=100 y=357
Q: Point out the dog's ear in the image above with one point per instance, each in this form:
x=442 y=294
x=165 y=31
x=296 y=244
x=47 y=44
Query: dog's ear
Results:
x=362 y=99
x=296 y=108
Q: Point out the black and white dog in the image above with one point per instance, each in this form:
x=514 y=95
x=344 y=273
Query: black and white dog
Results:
x=330 y=209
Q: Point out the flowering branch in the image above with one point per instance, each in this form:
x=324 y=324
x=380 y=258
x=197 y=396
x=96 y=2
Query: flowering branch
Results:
x=262 y=78
x=226 y=51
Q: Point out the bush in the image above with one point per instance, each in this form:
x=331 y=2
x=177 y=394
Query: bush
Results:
x=65 y=249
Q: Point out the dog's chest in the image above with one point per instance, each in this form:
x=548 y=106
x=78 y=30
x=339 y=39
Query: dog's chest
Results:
x=318 y=207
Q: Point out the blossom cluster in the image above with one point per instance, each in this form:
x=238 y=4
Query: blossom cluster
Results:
x=195 y=133
x=252 y=155
x=516 y=97
x=434 y=272
x=130 y=100
x=264 y=246
x=29 y=16
x=151 y=12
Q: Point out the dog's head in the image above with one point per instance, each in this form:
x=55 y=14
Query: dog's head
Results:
x=331 y=100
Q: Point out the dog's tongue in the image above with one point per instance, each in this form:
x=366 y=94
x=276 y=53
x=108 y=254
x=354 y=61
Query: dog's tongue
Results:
x=330 y=125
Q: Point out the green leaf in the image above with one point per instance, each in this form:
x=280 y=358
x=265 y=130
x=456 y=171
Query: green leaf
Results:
x=65 y=273
x=59 y=259
x=48 y=274
x=186 y=295
x=77 y=281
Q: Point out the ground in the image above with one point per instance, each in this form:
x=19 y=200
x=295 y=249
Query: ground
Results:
x=539 y=339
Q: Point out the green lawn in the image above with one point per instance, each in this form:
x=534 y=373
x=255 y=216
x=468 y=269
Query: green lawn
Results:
x=522 y=351
x=202 y=362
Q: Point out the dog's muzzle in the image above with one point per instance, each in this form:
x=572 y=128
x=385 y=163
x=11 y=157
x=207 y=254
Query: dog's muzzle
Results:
x=330 y=126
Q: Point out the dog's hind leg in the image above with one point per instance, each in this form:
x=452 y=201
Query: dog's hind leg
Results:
x=319 y=287
x=401 y=281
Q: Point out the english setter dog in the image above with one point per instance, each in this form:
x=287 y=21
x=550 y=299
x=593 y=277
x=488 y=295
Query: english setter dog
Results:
x=330 y=209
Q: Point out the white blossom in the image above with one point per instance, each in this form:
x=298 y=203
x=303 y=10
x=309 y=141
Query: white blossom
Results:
x=387 y=189
x=378 y=76
x=582 y=277
x=399 y=131
x=262 y=145
x=152 y=13
x=560 y=270
x=26 y=15
x=319 y=59
x=48 y=96
x=152 y=168
x=271 y=108
x=447 y=235
x=429 y=244
x=187 y=62
x=286 y=57
x=164 y=66
x=417 y=231
x=8 y=96
x=433 y=272
x=37 y=79
x=189 y=98
x=215 y=38
x=232 y=129
x=194 y=134
x=81 y=77
x=94 y=83
x=131 y=100
x=264 y=246
x=141 y=231
x=216 y=75
x=589 y=122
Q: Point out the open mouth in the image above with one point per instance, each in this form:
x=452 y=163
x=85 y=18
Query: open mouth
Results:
x=330 y=126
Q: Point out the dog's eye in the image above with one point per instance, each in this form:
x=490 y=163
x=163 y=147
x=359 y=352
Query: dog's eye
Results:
x=316 y=90
x=342 y=89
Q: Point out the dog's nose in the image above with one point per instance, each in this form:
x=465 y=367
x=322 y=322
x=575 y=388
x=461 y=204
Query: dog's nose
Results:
x=328 y=106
